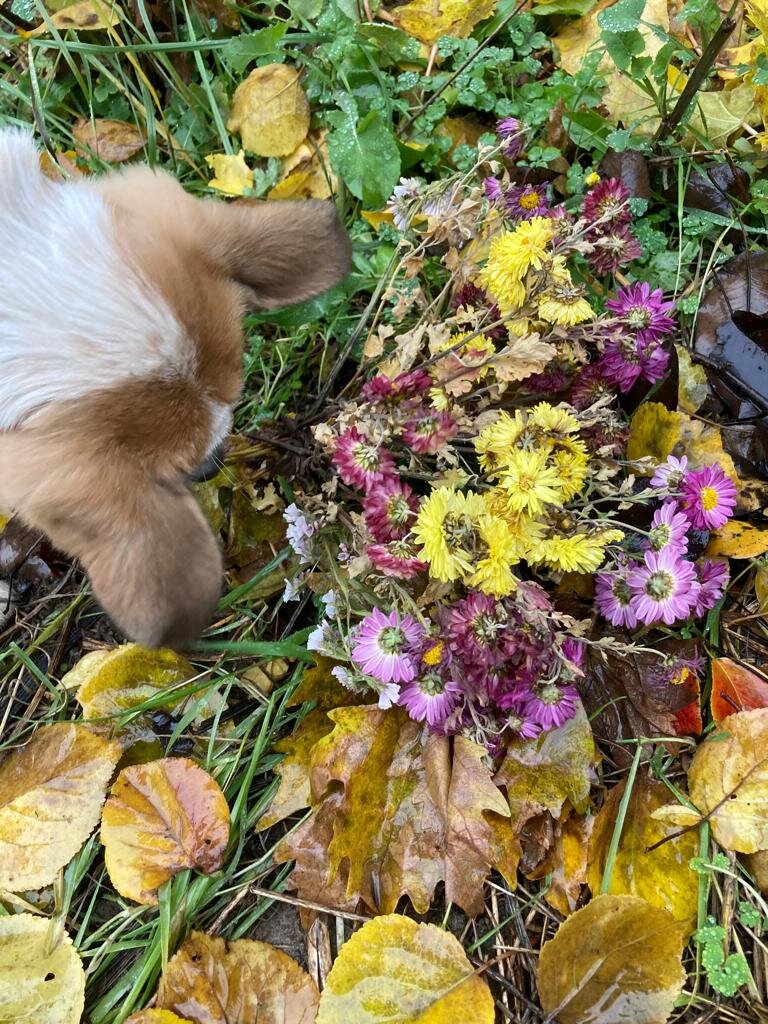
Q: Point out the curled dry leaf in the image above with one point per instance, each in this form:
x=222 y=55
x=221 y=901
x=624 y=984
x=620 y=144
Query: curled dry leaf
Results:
x=39 y=984
x=661 y=876
x=427 y=20
x=162 y=818
x=393 y=816
x=728 y=781
x=111 y=141
x=735 y=688
x=395 y=970
x=51 y=792
x=565 y=862
x=216 y=981
x=692 y=386
x=616 y=960
x=270 y=111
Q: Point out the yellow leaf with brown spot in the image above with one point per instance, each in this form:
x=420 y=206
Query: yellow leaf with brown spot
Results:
x=109 y=683
x=156 y=1017
x=162 y=818
x=661 y=876
x=396 y=970
x=110 y=141
x=738 y=540
x=617 y=959
x=51 y=792
x=270 y=111
x=85 y=16
x=219 y=981
x=657 y=432
x=307 y=172
x=728 y=781
x=427 y=20
x=231 y=174
x=41 y=975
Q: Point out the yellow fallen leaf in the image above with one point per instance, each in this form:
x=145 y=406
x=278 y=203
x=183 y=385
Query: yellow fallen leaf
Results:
x=231 y=174
x=111 y=141
x=427 y=20
x=692 y=387
x=270 y=111
x=218 y=981
x=719 y=114
x=307 y=172
x=657 y=432
x=39 y=984
x=746 y=54
x=156 y=1017
x=378 y=217
x=395 y=970
x=739 y=540
x=162 y=818
x=85 y=16
x=51 y=792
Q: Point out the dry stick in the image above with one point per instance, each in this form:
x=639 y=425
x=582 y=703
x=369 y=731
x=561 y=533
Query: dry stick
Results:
x=699 y=73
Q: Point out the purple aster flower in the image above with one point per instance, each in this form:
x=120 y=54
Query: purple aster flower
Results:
x=385 y=644
x=613 y=596
x=360 y=463
x=510 y=132
x=643 y=311
x=522 y=202
x=713 y=578
x=397 y=559
x=670 y=474
x=607 y=202
x=573 y=652
x=551 y=704
x=521 y=725
x=613 y=250
x=709 y=498
x=474 y=629
x=493 y=190
x=669 y=529
x=664 y=588
x=590 y=385
x=625 y=360
x=430 y=698
x=428 y=431
x=389 y=509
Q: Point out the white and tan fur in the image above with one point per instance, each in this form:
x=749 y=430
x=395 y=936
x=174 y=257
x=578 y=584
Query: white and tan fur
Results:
x=121 y=300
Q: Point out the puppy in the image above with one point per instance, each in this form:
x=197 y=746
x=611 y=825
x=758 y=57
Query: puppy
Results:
x=121 y=301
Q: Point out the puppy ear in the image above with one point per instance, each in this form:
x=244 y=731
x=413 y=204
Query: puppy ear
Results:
x=158 y=580
x=280 y=252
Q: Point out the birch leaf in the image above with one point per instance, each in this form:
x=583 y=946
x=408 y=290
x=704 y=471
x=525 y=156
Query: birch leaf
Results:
x=38 y=984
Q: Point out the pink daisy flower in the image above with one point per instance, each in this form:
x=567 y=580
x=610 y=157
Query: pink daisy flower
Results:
x=551 y=704
x=510 y=132
x=670 y=474
x=475 y=629
x=614 y=250
x=389 y=508
x=713 y=578
x=385 y=646
x=613 y=596
x=428 y=432
x=709 y=498
x=669 y=529
x=360 y=463
x=430 y=698
x=396 y=559
x=643 y=311
x=522 y=202
x=607 y=202
x=664 y=588
x=390 y=390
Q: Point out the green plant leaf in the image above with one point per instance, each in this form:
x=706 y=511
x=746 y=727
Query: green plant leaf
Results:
x=363 y=152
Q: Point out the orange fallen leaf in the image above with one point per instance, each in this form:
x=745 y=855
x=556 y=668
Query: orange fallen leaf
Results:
x=739 y=540
x=162 y=818
x=735 y=688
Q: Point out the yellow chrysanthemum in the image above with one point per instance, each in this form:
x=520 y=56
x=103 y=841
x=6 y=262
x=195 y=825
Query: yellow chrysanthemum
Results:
x=496 y=442
x=503 y=283
x=554 y=418
x=558 y=270
x=518 y=328
x=564 y=304
x=445 y=530
x=591 y=179
x=571 y=466
x=530 y=533
x=528 y=246
x=499 y=552
x=530 y=483
x=439 y=399
x=580 y=552
x=476 y=351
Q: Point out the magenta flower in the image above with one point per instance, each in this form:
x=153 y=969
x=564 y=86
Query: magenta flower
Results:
x=430 y=698
x=669 y=529
x=389 y=509
x=664 y=588
x=510 y=132
x=643 y=311
x=713 y=579
x=385 y=646
x=625 y=360
x=607 y=202
x=521 y=725
x=614 y=250
x=551 y=704
x=360 y=463
x=589 y=385
x=397 y=559
x=573 y=652
x=391 y=390
x=613 y=596
x=493 y=190
x=475 y=627
x=522 y=202
x=670 y=474
x=428 y=431
x=709 y=498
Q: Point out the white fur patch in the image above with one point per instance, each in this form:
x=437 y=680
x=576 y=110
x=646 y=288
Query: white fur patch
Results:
x=74 y=316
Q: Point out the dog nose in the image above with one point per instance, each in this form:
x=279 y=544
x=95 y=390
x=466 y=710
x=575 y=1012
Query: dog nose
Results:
x=210 y=466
